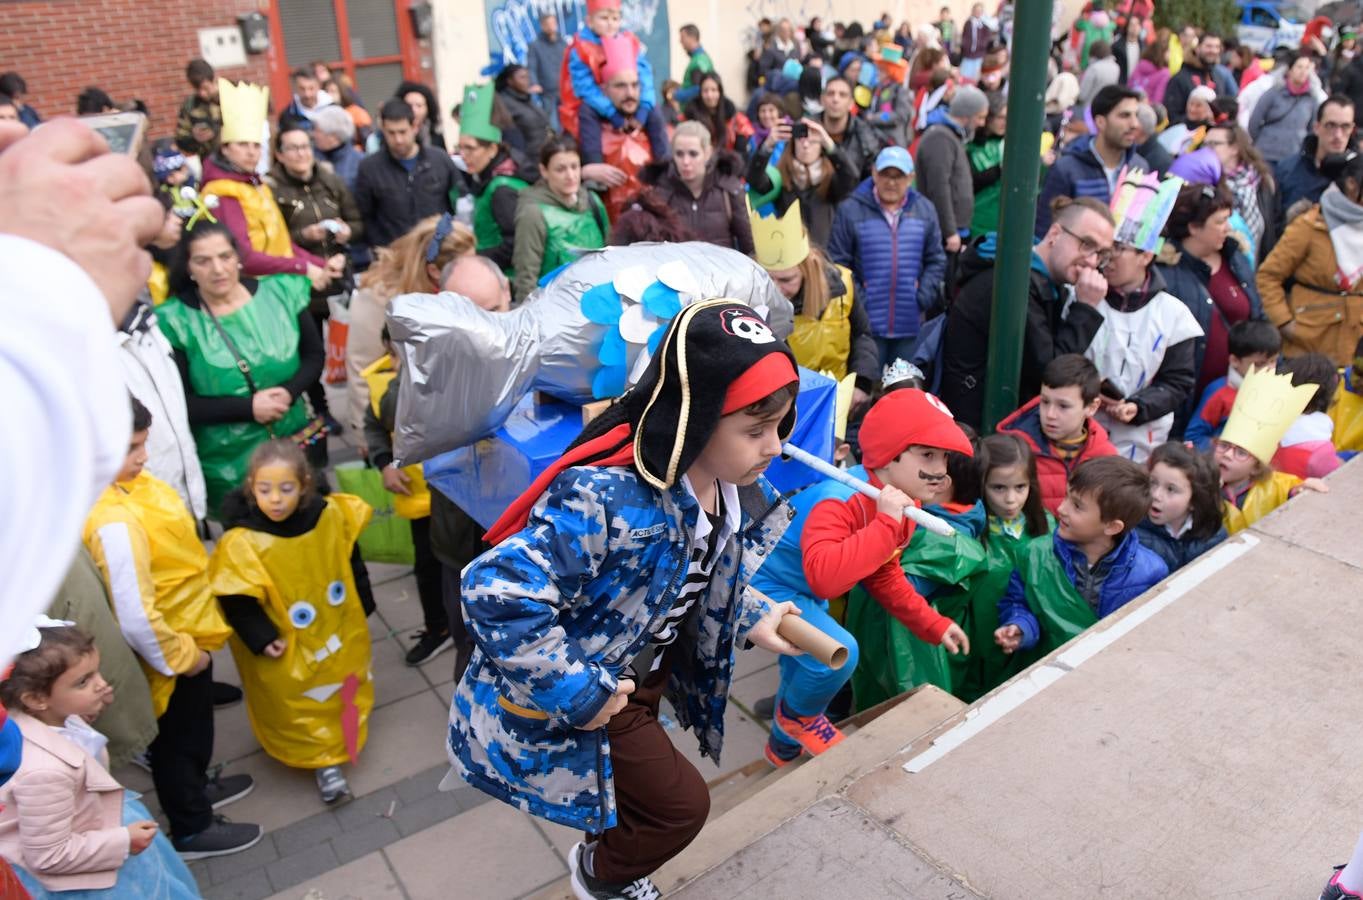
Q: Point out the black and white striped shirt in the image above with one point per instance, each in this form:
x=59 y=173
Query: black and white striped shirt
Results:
x=711 y=531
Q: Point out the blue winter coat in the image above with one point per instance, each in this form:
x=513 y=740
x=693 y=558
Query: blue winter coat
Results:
x=782 y=577
x=1176 y=552
x=1079 y=173
x=899 y=271
x=558 y=610
x=1134 y=571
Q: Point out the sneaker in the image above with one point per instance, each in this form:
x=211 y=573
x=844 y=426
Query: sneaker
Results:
x=764 y=708
x=331 y=784
x=1336 y=891
x=776 y=754
x=222 y=838
x=225 y=695
x=588 y=887
x=226 y=789
x=814 y=733
x=428 y=646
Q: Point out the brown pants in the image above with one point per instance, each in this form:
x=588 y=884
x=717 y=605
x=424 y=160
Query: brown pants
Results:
x=661 y=801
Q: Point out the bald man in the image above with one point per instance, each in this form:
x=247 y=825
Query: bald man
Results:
x=455 y=537
x=479 y=279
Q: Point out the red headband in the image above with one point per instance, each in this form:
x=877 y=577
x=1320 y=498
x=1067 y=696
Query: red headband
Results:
x=763 y=378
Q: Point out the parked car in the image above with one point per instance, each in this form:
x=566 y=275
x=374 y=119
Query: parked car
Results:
x=1264 y=26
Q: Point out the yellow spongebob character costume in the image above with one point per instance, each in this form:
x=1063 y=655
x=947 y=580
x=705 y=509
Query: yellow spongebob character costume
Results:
x=310 y=707
x=144 y=542
x=416 y=504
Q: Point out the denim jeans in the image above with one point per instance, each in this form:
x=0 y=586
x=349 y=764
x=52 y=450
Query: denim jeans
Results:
x=808 y=685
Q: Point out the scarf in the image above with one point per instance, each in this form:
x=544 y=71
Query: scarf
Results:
x=716 y=358
x=806 y=175
x=1244 y=185
x=1344 y=218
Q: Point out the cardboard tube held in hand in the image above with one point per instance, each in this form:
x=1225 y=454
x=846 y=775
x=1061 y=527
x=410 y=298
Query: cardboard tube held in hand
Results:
x=809 y=639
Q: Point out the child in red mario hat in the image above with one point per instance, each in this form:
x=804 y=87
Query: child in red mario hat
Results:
x=904 y=440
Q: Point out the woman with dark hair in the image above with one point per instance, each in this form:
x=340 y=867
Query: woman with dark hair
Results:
x=557 y=219
x=513 y=90
x=1321 y=255
x=1202 y=265
x=814 y=171
x=1250 y=180
x=1282 y=117
x=729 y=129
x=247 y=351
x=427 y=122
x=497 y=175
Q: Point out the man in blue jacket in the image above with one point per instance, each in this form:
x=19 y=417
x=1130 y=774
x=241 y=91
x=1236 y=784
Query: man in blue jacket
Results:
x=1089 y=167
x=887 y=234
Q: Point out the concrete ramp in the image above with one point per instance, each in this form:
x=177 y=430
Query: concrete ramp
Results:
x=1207 y=741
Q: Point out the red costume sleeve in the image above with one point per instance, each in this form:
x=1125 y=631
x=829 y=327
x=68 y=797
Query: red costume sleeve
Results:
x=253 y=262
x=838 y=552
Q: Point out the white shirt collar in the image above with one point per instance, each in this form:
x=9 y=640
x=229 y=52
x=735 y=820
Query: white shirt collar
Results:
x=729 y=494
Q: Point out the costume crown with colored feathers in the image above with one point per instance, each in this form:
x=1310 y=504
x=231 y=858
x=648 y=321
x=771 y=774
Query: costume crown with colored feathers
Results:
x=781 y=242
x=245 y=107
x=1141 y=205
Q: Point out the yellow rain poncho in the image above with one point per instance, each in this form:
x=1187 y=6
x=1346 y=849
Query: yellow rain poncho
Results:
x=143 y=541
x=1264 y=496
x=310 y=707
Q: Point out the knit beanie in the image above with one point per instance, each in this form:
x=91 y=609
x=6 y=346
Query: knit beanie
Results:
x=968 y=102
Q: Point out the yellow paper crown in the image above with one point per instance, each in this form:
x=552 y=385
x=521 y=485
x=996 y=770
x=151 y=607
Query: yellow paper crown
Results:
x=245 y=107
x=781 y=243
x=1265 y=407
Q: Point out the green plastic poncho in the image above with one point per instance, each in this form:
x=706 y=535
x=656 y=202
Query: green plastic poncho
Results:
x=1059 y=609
x=265 y=331
x=485 y=228
x=893 y=660
x=569 y=233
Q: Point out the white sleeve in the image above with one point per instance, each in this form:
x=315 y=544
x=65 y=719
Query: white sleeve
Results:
x=66 y=421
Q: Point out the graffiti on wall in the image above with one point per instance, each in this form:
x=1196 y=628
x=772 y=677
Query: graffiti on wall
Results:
x=513 y=24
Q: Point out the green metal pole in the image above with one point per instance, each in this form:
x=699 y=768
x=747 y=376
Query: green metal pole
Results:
x=1017 y=219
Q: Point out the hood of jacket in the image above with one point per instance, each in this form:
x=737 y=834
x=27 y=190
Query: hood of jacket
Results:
x=983 y=251
x=1121 y=560
x=1081 y=150
x=540 y=192
x=1130 y=301
x=216 y=168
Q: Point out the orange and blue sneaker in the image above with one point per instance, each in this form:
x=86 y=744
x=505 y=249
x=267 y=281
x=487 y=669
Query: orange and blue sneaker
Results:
x=814 y=733
x=778 y=754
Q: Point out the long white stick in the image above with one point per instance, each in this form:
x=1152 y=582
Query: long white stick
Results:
x=927 y=520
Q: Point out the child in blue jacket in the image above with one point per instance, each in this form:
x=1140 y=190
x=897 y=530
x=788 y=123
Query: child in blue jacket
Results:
x=1093 y=566
x=1253 y=343
x=619 y=577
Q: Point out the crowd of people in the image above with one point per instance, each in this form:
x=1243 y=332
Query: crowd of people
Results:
x=1192 y=358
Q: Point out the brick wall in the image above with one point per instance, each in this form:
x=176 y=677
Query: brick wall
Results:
x=130 y=48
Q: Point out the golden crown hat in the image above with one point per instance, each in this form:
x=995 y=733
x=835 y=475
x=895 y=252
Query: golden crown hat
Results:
x=781 y=241
x=1265 y=407
x=245 y=107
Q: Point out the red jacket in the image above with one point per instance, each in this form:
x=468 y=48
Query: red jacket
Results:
x=1051 y=471
x=846 y=542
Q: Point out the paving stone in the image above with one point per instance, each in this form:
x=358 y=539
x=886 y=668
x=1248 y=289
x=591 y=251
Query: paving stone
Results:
x=355 y=843
x=299 y=867
x=367 y=878
x=253 y=885
x=419 y=785
x=225 y=868
x=421 y=814
x=363 y=810
x=306 y=833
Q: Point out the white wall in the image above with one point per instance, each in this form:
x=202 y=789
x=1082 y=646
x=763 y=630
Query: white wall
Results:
x=460 y=43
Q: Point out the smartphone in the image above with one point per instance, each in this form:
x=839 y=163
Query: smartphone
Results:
x=123 y=131
x=799 y=130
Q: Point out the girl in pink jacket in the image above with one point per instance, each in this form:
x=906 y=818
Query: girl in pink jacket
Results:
x=66 y=826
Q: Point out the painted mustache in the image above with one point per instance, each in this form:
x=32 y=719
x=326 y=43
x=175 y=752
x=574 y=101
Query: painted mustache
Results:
x=931 y=479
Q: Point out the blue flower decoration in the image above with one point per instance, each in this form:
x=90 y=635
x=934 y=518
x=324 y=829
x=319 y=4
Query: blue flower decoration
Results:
x=603 y=305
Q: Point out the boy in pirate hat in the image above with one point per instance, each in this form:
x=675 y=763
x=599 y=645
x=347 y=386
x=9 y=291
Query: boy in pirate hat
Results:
x=619 y=577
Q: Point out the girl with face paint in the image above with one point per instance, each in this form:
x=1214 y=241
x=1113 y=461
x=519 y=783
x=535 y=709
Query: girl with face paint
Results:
x=290 y=580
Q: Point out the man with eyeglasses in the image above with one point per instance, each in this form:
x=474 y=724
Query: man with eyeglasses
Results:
x=1067 y=261
x=1298 y=176
x=1089 y=166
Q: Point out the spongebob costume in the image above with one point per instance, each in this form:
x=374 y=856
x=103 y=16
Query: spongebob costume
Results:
x=310 y=707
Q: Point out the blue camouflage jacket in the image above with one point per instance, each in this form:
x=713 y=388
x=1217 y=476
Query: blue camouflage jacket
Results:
x=558 y=610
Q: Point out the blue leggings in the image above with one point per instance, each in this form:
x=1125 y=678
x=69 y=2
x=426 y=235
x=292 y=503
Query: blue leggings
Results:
x=807 y=685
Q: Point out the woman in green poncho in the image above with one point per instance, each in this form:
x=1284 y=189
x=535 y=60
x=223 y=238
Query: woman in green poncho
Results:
x=557 y=219
x=247 y=349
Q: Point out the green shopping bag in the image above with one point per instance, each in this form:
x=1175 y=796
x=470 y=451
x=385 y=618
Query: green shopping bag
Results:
x=387 y=538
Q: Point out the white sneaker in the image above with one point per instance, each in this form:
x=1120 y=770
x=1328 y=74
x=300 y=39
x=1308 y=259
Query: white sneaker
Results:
x=331 y=784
